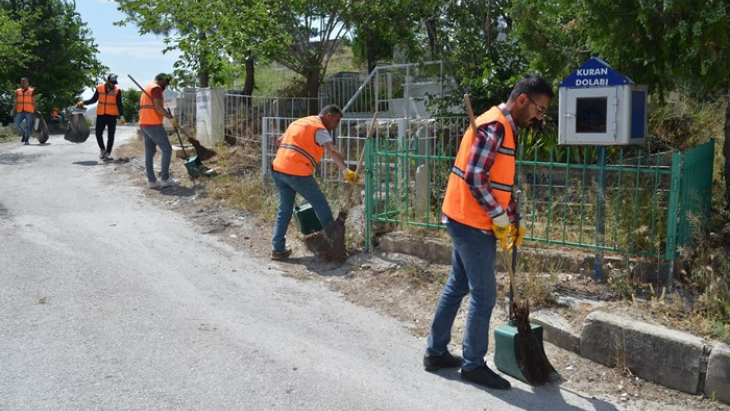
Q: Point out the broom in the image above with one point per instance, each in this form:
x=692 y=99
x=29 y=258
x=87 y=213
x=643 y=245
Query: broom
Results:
x=533 y=363
x=329 y=244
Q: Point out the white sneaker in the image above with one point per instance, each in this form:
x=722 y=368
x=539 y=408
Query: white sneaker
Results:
x=155 y=184
x=169 y=182
x=102 y=154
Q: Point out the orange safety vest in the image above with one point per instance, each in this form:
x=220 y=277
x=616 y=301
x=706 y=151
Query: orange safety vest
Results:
x=148 y=116
x=299 y=153
x=459 y=202
x=25 y=101
x=107 y=101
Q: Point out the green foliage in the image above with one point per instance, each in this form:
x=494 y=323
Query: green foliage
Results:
x=664 y=44
x=209 y=35
x=476 y=39
x=380 y=25
x=130 y=101
x=55 y=51
x=13 y=43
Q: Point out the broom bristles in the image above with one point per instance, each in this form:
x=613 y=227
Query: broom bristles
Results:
x=329 y=244
x=533 y=362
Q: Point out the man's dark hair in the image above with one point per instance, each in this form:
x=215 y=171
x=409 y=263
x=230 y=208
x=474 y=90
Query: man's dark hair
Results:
x=163 y=76
x=533 y=86
x=330 y=109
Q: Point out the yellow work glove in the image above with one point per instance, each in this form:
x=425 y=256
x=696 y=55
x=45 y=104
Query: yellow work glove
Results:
x=517 y=234
x=175 y=123
x=122 y=121
x=350 y=176
x=500 y=227
x=80 y=104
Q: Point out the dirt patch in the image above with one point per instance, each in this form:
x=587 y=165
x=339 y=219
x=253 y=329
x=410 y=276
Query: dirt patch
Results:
x=407 y=288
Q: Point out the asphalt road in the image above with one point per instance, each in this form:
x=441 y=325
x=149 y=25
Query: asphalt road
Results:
x=110 y=302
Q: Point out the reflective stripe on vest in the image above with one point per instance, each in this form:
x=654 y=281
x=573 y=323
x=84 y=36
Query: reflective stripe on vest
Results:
x=459 y=202
x=25 y=101
x=148 y=116
x=107 y=101
x=299 y=153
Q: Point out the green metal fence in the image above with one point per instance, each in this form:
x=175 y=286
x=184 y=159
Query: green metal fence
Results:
x=642 y=208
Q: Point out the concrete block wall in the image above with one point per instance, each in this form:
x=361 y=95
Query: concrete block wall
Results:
x=668 y=357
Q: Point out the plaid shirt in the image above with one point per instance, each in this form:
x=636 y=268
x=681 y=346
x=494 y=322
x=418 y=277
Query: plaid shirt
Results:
x=488 y=139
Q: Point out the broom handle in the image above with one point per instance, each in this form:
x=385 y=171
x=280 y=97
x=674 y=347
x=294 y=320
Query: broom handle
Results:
x=367 y=137
x=505 y=252
x=513 y=265
x=168 y=112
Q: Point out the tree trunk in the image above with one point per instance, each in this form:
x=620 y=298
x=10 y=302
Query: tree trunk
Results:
x=204 y=73
x=313 y=89
x=204 y=78
x=432 y=39
x=726 y=150
x=249 y=85
x=370 y=49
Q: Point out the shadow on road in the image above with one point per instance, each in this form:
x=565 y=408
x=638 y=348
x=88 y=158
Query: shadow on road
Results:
x=17 y=158
x=178 y=191
x=86 y=163
x=550 y=396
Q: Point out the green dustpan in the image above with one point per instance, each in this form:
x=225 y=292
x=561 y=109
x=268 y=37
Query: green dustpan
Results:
x=507 y=343
x=507 y=351
x=192 y=165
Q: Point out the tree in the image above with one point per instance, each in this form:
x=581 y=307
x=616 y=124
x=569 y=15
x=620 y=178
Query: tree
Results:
x=59 y=53
x=13 y=53
x=475 y=39
x=664 y=44
x=209 y=34
x=13 y=44
x=315 y=29
x=130 y=101
x=379 y=25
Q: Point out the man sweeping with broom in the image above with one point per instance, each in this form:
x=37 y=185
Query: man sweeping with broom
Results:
x=301 y=148
x=478 y=211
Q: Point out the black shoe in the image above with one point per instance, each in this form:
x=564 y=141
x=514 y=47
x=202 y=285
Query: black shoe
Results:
x=445 y=360
x=486 y=377
x=281 y=255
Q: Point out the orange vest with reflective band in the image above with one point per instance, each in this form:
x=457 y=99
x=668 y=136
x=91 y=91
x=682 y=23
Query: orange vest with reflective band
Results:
x=459 y=202
x=25 y=101
x=299 y=153
x=148 y=116
x=107 y=101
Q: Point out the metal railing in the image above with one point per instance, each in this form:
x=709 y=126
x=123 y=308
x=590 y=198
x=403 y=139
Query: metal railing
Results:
x=350 y=138
x=399 y=90
x=639 y=211
x=245 y=115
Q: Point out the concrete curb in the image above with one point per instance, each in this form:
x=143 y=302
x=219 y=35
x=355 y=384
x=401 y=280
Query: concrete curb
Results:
x=557 y=330
x=717 y=383
x=667 y=357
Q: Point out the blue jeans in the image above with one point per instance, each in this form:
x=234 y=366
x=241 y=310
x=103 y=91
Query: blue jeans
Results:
x=156 y=136
x=25 y=132
x=472 y=271
x=289 y=186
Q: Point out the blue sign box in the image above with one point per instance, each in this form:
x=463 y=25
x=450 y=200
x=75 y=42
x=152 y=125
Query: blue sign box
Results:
x=595 y=73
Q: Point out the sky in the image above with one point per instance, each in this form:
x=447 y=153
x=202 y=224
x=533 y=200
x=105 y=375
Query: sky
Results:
x=123 y=49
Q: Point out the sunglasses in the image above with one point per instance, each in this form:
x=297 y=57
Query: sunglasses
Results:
x=540 y=110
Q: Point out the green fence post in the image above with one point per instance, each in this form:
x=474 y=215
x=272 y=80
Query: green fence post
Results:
x=670 y=254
